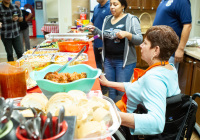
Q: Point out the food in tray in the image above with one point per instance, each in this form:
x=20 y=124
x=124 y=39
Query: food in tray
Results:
x=90 y=112
x=91 y=129
x=40 y=51
x=63 y=57
x=55 y=45
x=37 y=61
x=65 y=77
x=71 y=64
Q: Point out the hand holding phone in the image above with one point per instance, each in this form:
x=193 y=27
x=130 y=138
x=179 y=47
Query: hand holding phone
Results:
x=15 y=17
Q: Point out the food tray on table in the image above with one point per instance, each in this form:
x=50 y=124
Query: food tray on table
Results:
x=62 y=58
x=111 y=128
x=46 y=44
x=115 y=118
x=37 y=61
x=41 y=51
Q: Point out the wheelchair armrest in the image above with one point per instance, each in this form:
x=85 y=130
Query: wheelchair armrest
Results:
x=195 y=95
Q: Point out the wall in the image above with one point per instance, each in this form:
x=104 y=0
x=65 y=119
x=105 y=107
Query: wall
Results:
x=52 y=8
x=64 y=15
x=39 y=17
x=195 y=32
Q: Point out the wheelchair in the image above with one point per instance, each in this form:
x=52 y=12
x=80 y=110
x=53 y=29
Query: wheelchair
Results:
x=180 y=120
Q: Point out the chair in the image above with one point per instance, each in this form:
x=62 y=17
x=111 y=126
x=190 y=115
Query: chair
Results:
x=180 y=120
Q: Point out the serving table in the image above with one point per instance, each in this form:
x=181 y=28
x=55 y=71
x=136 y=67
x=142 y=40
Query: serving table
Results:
x=91 y=62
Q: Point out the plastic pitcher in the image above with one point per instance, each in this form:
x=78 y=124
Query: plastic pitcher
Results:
x=13 y=79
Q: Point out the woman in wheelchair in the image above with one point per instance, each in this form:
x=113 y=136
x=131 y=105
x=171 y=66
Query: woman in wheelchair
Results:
x=149 y=87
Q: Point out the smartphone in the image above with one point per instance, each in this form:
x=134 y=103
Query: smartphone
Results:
x=15 y=15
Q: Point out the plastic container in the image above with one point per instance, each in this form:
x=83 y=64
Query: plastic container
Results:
x=73 y=46
x=111 y=128
x=22 y=134
x=49 y=87
x=13 y=78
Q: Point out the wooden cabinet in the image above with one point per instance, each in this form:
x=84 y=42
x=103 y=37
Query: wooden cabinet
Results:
x=189 y=79
x=155 y=4
x=133 y=4
x=185 y=75
x=143 y=4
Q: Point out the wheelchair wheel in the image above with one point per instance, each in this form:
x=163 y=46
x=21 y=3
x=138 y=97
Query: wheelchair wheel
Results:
x=118 y=136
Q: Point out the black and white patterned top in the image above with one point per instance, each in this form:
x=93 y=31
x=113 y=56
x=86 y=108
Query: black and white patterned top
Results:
x=10 y=28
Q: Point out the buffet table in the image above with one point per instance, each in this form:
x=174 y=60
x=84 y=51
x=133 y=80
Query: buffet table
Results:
x=91 y=62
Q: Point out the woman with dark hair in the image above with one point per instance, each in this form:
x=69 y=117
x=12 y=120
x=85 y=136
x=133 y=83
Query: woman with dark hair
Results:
x=149 y=87
x=120 y=33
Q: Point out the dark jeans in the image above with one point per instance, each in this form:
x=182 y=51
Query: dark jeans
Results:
x=16 y=44
x=98 y=58
x=115 y=72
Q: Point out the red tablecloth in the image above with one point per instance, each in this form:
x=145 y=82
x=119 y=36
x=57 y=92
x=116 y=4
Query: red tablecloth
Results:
x=50 y=29
x=91 y=62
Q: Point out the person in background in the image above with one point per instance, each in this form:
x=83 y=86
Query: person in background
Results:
x=149 y=87
x=120 y=33
x=100 y=12
x=24 y=30
x=0 y=25
x=176 y=14
x=10 y=16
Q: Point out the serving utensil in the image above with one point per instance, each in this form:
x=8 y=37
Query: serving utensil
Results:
x=19 y=118
x=60 y=119
x=64 y=66
x=44 y=127
x=49 y=115
x=38 y=46
x=30 y=129
x=37 y=126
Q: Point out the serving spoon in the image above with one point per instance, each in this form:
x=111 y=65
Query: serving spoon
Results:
x=64 y=66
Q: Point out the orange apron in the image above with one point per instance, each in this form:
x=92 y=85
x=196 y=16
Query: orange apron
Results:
x=121 y=104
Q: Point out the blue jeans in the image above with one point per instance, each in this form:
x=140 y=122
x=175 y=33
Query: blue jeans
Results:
x=115 y=72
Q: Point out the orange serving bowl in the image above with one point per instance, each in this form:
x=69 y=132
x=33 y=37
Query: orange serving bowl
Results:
x=73 y=46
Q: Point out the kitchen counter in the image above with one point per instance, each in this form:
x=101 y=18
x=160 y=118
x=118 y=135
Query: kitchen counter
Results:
x=193 y=52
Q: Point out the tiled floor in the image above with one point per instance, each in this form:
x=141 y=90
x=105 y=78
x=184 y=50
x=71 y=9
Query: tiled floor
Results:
x=36 y=41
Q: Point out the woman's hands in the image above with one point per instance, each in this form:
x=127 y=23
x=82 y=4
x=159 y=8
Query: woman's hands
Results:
x=15 y=18
x=103 y=80
x=123 y=34
x=89 y=27
x=0 y=25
